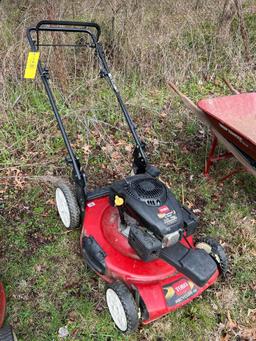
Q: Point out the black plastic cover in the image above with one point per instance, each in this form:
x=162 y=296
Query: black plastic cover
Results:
x=190 y=221
x=196 y=264
x=153 y=171
x=147 y=246
x=93 y=255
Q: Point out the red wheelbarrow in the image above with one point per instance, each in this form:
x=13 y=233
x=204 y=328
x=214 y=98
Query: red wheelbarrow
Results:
x=232 y=120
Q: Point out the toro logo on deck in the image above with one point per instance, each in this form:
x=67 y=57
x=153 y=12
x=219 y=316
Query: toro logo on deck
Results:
x=164 y=209
x=181 y=287
x=179 y=291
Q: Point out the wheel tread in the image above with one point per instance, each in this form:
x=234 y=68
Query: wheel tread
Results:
x=217 y=249
x=74 y=209
x=129 y=305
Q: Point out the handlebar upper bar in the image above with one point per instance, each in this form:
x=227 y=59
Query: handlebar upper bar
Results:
x=68 y=23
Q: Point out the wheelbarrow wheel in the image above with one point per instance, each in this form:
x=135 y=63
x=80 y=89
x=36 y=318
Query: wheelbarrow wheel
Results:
x=216 y=251
x=67 y=205
x=7 y=334
x=122 y=307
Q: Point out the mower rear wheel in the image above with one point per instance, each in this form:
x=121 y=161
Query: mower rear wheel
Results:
x=214 y=249
x=67 y=205
x=7 y=334
x=122 y=307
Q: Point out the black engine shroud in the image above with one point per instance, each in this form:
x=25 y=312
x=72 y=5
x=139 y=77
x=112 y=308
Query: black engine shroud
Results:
x=150 y=202
x=161 y=221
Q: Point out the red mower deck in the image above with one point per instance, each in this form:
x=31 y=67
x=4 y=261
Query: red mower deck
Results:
x=158 y=283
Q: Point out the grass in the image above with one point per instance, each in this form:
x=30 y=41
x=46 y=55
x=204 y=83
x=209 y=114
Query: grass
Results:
x=47 y=284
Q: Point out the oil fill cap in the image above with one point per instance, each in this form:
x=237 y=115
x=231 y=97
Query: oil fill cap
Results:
x=119 y=201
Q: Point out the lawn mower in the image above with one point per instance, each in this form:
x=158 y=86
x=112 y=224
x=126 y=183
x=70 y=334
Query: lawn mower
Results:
x=6 y=332
x=135 y=235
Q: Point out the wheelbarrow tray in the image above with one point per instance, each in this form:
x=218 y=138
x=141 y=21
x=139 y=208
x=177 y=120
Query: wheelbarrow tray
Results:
x=234 y=117
x=216 y=113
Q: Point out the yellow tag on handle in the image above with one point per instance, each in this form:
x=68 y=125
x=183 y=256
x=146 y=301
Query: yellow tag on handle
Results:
x=31 y=67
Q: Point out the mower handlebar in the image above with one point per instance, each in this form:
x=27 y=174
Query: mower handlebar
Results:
x=74 y=26
x=68 y=23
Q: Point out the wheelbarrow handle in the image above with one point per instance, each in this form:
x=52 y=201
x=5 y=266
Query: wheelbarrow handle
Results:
x=68 y=23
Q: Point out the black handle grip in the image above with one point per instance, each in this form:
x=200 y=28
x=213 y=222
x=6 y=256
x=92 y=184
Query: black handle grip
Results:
x=68 y=23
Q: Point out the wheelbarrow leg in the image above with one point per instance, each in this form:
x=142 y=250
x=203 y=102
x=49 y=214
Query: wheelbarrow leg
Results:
x=211 y=158
x=234 y=172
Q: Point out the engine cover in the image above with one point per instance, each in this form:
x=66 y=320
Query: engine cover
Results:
x=150 y=202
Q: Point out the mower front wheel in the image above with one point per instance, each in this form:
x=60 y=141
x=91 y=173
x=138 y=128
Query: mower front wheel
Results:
x=216 y=251
x=122 y=307
x=7 y=334
x=67 y=205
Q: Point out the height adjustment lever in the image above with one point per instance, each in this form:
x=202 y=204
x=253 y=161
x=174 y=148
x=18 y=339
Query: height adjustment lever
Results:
x=46 y=73
x=69 y=161
x=103 y=73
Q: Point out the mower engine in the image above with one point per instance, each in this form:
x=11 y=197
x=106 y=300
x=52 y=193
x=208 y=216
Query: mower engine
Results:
x=155 y=218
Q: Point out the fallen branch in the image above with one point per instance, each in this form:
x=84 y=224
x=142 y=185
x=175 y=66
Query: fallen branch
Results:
x=188 y=103
x=230 y=86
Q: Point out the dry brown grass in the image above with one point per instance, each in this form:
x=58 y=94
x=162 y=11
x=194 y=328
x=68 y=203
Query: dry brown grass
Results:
x=153 y=39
